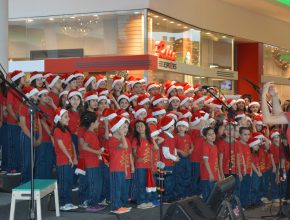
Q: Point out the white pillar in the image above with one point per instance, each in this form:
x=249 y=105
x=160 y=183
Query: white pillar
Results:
x=4 y=34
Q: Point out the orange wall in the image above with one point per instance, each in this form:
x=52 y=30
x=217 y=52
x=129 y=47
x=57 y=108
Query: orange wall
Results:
x=249 y=66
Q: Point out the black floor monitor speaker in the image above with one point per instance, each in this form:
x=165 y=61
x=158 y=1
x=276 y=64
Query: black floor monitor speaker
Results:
x=188 y=209
x=8 y=182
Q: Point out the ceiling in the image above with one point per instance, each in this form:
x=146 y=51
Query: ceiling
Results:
x=269 y=8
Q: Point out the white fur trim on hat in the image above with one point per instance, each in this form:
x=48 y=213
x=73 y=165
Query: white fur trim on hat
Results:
x=164 y=128
x=19 y=75
x=198 y=100
x=184 y=123
x=58 y=117
x=32 y=92
x=100 y=81
x=110 y=117
x=254 y=103
x=241 y=100
x=184 y=101
x=116 y=81
x=79 y=75
x=37 y=76
x=160 y=112
x=89 y=81
x=81 y=89
x=139 y=111
x=150 y=120
x=260 y=136
x=172 y=116
x=189 y=90
x=170 y=89
x=53 y=82
x=118 y=125
x=155 y=102
x=74 y=93
x=65 y=92
x=91 y=97
x=152 y=86
x=144 y=101
x=231 y=103
x=205 y=116
x=132 y=98
x=274 y=134
x=187 y=114
x=259 y=122
x=240 y=116
x=102 y=97
x=155 y=133
x=123 y=97
x=252 y=144
x=42 y=92
x=69 y=78
x=173 y=98
x=195 y=122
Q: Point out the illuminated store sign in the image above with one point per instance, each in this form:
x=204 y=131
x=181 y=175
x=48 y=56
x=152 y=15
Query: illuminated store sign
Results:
x=163 y=51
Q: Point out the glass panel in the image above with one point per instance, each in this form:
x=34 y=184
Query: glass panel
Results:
x=96 y=34
x=216 y=50
x=276 y=61
x=181 y=38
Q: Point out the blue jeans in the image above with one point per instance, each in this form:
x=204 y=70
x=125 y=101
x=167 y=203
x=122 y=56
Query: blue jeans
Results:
x=125 y=197
x=207 y=187
x=255 y=195
x=106 y=182
x=245 y=190
x=4 y=146
x=195 y=181
x=83 y=190
x=45 y=160
x=95 y=181
x=14 y=155
x=141 y=177
x=65 y=183
x=183 y=177
x=25 y=145
x=169 y=184
x=265 y=184
x=117 y=189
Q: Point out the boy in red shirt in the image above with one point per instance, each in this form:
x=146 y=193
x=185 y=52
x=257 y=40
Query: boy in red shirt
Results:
x=183 y=167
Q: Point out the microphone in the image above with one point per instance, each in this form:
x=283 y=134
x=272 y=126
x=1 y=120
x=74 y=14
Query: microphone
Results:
x=206 y=87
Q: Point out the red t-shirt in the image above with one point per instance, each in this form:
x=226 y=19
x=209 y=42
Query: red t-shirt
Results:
x=54 y=97
x=197 y=141
x=50 y=112
x=211 y=153
x=91 y=159
x=170 y=143
x=275 y=151
x=101 y=133
x=255 y=158
x=2 y=104
x=24 y=112
x=117 y=155
x=265 y=159
x=183 y=142
x=224 y=148
x=246 y=154
x=14 y=100
x=128 y=153
x=61 y=158
x=74 y=121
x=143 y=153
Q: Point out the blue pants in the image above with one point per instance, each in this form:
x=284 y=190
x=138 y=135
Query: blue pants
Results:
x=274 y=187
x=4 y=146
x=195 y=181
x=25 y=145
x=255 y=195
x=94 y=176
x=142 y=195
x=106 y=182
x=169 y=184
x=83 y=190
x=265 y=184
x=245 y=190
x=117 y=189
x=65 y=183
x=14 y=156
x=45 y=160
x=125 y=197
x=207 y=187
x=183 y=177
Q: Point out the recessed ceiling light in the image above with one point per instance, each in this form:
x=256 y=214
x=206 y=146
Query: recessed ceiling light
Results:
x=158 y=23
x=171 y=22
x=156 y=16
x=96 y=15
x=72 y=17
x=29 y=20
x=224 y=36
x=185 y=27
x=208 y=33
x=178 y=24
x=51 y=19
x=164 y=19
x=191 y=29
x=137 y=12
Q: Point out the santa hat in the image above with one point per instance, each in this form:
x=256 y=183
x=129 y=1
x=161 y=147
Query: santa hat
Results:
x=103 y=97
x=132 y=81
x=254 y=141
x=117 y=79
x=185 y=113
x=150 y=184
x=173 y=98
x=166 y=122
x=74 y=92
x=254 y=103
x=108 y=114
x=205 y=115
x=151 y=86
x=58 y=114
x=150 y=119
x=274 y=133
x=197 y=87
x=17 y=74
x=142 y=99
x=133 y=97
x=217 y=103
x=259 y=119
x=100 y=79
x=208 y=100
x=183 y=99
x=138 y=110
x=35 y=75
x=123 y=96
x=240 y=116
x=240 y=100
x=42 y=91
x=80 y=169
x=197 y=99
x=187 y=89
x=169 y=89
x=178 y=85
x=173 y=115
x=51 y=80
x=78 y=74
x=158 y=111
x=122 y=112
x=46 y=74
x=182 y=121
x=230 y=102
x=117 y=122
x=90 y=95
x=258 y=135
x=82 y=89
x=157 y=99
x=195 y=118
x=88 y=80
x=64 y=92
x=154 y=131
x=102 y=91
x=68 y=77
x=29 y=91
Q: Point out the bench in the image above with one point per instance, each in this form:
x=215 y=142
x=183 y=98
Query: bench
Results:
x=42 y=187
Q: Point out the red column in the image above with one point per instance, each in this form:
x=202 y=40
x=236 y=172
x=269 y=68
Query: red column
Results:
x=249 y=66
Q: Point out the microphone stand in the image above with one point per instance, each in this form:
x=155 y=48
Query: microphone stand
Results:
x=33 y=108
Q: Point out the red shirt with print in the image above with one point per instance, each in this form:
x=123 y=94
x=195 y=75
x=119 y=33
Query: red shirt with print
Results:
x=183 y=142
x=275 y=150
x=197 y=141
x=246 y=155
x=91 y=159
x=24 y=112
x=50 y=112
x=143 y=153
x=14 y=100
x=210 y=152
x=255 y=158
x=74 y=121
x=128 y=153
x=61 y=158
x=224 y=148
x=265 y=159
x=117 y=155
x=170 y=143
